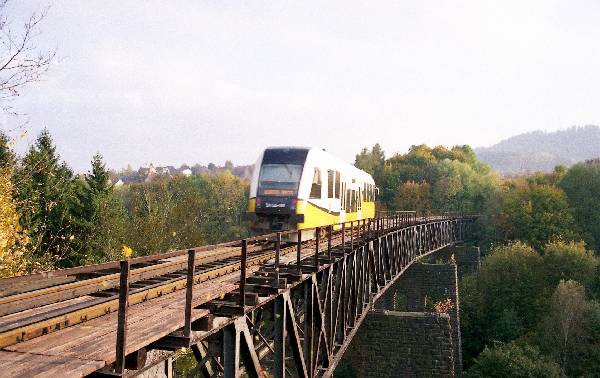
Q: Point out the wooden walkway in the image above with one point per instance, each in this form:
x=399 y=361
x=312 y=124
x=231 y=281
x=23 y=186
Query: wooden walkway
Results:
x=86 y=347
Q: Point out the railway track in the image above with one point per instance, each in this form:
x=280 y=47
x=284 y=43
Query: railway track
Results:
x=35 y=305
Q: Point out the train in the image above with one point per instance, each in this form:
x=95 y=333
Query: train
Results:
x=301 y=188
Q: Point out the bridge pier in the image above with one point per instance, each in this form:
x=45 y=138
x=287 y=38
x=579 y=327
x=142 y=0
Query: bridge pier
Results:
x=414 y=329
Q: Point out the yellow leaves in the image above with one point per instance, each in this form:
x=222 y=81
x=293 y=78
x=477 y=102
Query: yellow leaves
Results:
x=174 y=233
x=126 y=251
x=13 y=240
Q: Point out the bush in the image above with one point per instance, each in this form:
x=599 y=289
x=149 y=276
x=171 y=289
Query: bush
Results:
x=512 y=360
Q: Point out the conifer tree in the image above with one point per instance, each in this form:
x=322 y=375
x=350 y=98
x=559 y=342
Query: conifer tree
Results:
x=98 y=180
x=7 y=156
x=102 y=217
x=47 y=195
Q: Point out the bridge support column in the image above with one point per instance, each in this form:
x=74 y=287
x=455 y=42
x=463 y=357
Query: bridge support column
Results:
x=406 y=331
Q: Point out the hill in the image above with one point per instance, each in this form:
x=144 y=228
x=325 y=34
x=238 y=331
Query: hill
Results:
x=542 y=151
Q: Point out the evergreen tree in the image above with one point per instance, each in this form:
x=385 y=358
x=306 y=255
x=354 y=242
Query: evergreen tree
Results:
x=98 y=180
x=7 y=156
x=102 y=216
x=48 y=199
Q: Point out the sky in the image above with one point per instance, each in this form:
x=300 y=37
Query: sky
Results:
x=172 y=82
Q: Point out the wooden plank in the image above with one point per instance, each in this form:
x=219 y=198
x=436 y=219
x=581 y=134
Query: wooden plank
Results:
x=147 y=322
x=41 y=311
x=16 y=364
x=29 y=285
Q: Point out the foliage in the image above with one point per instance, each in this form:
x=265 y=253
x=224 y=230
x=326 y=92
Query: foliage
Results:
x=102 y=216
x=371 y=161
x=182 y=212
x=7 y=156
x=511 y=279
x=513 y=360
x=48 y=198
x=582 y=186
x=435 y=179
x=13 y=240
x=532 y=213
x=568 y=261
x=513 y=294
x=564 y=327
x=414 y=196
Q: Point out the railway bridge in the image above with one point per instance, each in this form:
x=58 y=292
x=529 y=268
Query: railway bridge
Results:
x=258 y=306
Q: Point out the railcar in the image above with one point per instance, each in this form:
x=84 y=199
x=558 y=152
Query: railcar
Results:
x=297 y=188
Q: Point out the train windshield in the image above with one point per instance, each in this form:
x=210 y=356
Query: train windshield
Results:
x=279 y=179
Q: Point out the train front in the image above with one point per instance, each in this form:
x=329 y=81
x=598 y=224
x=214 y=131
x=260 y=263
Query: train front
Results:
x=274 y=189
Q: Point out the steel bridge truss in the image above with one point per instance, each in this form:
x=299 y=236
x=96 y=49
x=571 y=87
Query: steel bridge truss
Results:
x=309 y=319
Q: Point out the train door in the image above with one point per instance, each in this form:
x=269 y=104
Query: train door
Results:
x=343 y=200
x=331 y=191
x=359 y=196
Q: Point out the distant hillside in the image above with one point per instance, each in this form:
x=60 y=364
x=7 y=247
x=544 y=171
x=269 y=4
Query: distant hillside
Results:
x=542 y=151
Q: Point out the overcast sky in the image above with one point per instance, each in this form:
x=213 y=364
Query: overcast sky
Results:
x=170 y=82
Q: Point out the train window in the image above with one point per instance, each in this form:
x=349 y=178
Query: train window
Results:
x=348 y=200
x=360 y=196
x=337 y=184
x=342 y=198
x=315 y=189
x=330 y=183
x=353 y=205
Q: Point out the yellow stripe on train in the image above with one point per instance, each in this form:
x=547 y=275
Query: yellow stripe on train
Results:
x=315 y=216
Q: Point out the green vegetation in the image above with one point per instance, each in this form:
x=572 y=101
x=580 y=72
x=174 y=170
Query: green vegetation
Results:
x=532 y=310
x=51 y=218
x=513 y=360
x=430 y=179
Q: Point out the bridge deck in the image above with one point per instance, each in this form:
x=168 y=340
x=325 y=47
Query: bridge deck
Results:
x=88 y=346
x=84 y=348
x=317 y=310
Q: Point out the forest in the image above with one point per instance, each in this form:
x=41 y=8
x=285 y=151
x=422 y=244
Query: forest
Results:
x=533 y=310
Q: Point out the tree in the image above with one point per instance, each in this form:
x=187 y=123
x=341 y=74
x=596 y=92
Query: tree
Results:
x=534 y=214
x=13 y=240
x=513 y=360
x=98 y=180
x=582 y=185
x=7 y=156
x=564 y=327
x=48 y=197
x=184 y=211
x=21 y=62
x=456 y=180
x=102 y=216
x=413 y=196
x=371 y=161
x=510 y=282
x=568 y=261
